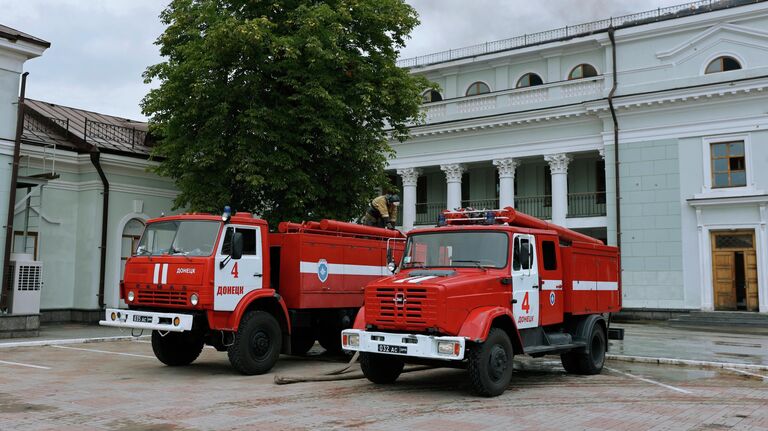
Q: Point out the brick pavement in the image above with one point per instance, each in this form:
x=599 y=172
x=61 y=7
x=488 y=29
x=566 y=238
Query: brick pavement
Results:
x=89 y=390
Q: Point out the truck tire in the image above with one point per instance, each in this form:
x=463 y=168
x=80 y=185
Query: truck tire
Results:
x=301 y=342
x=490 y=364
x=257 y=344
x=588 y=360
x=177 y=348
x=330 y=339
x=382 y=369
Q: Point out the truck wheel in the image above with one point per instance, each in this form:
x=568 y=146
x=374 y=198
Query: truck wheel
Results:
x=301 y=342
x=490 y=364
x=177 y=348
x=257 y=344
x=330 y=339
x=589 y=360
x=379 y=368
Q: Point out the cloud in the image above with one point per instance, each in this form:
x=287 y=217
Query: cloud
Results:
x=99 y=49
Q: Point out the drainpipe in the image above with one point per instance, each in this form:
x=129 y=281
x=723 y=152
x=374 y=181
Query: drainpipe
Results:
x=615 y=139
x=12 y=192
x=95 y=159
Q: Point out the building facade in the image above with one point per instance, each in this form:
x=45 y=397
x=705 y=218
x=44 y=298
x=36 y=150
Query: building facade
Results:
x=528 y=122
x=83 y=193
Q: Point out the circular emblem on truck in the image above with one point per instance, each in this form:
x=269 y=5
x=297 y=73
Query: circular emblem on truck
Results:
x=551 y=298
x=322 y=270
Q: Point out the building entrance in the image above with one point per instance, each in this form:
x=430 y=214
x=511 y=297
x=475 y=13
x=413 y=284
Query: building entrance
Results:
x=734 y=266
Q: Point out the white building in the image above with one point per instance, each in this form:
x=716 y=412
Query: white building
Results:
x=527 y=122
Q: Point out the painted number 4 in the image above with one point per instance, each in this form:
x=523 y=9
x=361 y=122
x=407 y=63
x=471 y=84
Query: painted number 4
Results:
x=526 y=306
x=235 y=274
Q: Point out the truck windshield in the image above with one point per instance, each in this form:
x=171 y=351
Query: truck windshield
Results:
x=457 y=249
x=187 y=238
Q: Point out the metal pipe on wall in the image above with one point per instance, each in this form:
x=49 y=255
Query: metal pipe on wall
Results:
x=96 y=161
x=12 y=192
x=616 y=162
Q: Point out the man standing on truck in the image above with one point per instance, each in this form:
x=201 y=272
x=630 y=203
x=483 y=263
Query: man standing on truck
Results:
x=383 y=211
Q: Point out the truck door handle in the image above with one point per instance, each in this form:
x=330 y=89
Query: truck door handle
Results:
x=257 y=275
x=514 y=301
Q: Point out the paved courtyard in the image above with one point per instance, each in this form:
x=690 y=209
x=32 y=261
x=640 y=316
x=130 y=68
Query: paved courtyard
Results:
x=121 y=386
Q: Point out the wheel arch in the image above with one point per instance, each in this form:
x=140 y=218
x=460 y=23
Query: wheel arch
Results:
x=479 y=322
x=580 y=327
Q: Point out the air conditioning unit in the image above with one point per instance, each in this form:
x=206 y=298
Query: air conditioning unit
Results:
x=26 y=282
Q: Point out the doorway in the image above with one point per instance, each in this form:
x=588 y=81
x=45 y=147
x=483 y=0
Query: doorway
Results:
x=734 y=266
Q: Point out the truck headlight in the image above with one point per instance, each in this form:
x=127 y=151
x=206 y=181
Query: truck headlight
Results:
x=448 y=348
x=351 y=340
x=131 y=296
x=193 y=299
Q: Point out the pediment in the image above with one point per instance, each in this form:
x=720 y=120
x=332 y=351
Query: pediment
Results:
x=714 y=36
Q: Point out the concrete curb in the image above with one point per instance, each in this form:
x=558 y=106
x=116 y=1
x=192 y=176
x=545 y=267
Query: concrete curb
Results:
x=687 y=362
x=38 y=343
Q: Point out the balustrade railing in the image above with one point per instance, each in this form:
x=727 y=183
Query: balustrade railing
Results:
x=537 y=206
x=589 y=204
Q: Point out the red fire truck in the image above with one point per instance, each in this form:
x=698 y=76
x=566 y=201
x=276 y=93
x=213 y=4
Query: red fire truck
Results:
x=226 y=281
x=484 y=286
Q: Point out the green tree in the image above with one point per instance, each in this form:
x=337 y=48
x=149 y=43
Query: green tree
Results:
x=281 y=107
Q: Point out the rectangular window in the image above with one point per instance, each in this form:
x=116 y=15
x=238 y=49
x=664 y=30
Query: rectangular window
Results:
x=547 y=186
x=250 y=247
x=549 y=255
x=600 y=181
x=421 y=195
x=518 y=262
x=729 y=167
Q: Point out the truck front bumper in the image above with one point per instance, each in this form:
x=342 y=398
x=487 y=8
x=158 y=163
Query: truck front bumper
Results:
x=131 y=319
x=418 y=346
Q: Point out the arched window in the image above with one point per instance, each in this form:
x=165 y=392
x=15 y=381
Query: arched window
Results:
x=478 y=88
x=430 y=96
x=723 y=64
x=129 y=241
x=583 y=70
x=529 y=80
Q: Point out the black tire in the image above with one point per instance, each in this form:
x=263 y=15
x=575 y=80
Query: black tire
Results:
x=301 y=342
x=330 y=339
x=382 y=369
x=490 y=364
x=177 y=348
x=588 y=360
x=257 y=344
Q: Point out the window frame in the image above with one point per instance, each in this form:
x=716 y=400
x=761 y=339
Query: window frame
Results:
x=466 y=92
x=528 y=74
x=707 y=186
x=430 y=92
x=720 y=57
x=568 y=77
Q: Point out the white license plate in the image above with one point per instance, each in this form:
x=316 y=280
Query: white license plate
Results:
x=386 y=348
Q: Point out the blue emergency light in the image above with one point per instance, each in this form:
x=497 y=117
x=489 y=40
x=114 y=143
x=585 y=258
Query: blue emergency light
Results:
x=227 y=214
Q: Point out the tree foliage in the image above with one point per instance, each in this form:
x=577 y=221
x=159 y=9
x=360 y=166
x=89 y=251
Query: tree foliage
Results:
x=281 y=107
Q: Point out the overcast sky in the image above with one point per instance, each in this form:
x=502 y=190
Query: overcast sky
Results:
x=99 y=48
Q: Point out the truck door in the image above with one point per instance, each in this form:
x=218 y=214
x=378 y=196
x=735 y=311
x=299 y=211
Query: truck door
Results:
x=235 y=278
x=525 y=281
x=551 y=284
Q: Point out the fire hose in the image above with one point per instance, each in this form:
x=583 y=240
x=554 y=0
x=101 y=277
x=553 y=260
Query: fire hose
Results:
x=342 y=373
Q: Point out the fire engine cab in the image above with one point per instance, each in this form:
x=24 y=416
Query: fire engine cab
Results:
x=482 y=287
x=227 y=281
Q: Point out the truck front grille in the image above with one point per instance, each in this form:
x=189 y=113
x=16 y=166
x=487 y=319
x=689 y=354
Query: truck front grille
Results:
x=161 y=297
x=406 y=307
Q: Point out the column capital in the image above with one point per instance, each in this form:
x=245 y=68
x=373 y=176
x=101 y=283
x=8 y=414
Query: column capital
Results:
x=558 y=163
x=410 y=176
x=506 y=167
x=453 y=172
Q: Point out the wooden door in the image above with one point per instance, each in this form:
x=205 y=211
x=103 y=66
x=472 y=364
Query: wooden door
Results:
x=724 y=280
x=751 y=278
x=725 y=246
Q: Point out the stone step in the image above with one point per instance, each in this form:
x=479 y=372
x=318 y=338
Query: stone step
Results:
x=722 y=318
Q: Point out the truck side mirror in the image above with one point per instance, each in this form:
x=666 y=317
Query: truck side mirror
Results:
x=237 y=245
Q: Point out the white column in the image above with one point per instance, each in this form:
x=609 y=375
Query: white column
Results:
x=558 y=165
x=453 y=174
x=506 y=168
x=410 y=178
